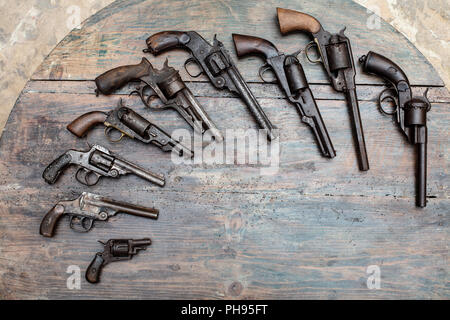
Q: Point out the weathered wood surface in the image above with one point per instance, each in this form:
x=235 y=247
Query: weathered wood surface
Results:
x=226 y=231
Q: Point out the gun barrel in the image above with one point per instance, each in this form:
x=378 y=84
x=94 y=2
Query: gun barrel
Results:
x=251 y=102
x=358 y=132
x=123 y=207
x=201 y=114
x=140 y=243
x=141 y=172
x=421 y=175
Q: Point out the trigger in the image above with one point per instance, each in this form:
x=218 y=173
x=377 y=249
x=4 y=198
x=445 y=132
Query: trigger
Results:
x=387 y=95
x=187 y=62
x=263 y=70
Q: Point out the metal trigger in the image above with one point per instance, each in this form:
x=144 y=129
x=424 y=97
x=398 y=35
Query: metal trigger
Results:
x=108 y=136
x=187 y=62
x=386 y=95
x=263 y=70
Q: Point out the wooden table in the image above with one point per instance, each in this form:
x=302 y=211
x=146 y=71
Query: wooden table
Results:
x=225 y=231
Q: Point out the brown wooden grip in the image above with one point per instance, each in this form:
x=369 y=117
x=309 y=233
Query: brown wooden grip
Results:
x=164 y=40
x=118 y=77
x=253 y=45
x=83 y=123
x=50 y=220
x=291 y=20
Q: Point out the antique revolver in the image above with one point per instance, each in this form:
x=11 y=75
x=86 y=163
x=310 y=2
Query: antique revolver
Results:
x=337 y=58
x=87 y=208
x=410 y=112
x=164 y=85
x=114 y=250
x=95 y=163
x=215 y=61
x=292 y=79
x=128 y=123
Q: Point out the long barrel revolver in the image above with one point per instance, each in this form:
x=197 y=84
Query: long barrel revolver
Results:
x=165 y=86
x=291 y=77
x=337 y=58
x=216 y=63
x=114 y=250
x=96 y=163
x=409 y=112
x=87 y=208
x=130 y=124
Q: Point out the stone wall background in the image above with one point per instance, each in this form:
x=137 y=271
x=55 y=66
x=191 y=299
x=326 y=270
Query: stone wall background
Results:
x=30 y=29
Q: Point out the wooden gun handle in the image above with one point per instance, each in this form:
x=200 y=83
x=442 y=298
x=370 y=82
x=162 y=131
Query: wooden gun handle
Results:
x=253 y=45
x=48 y=224
x=95 y=268
x=118 y=77
x=291 y=20
x=83 y=123
x=165 y=40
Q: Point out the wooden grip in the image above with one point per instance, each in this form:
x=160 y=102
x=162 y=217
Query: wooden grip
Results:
x=164 y=40
x=291 y=20
x=50 y=220
x=94 y=269
x=116 y=78
x=83 y=123
x=253 y=45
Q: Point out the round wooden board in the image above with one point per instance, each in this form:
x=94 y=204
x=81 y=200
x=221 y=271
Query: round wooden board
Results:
x=225 y=231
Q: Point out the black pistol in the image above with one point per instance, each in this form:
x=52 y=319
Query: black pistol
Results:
x=114 y=250
x=410 y=112
x=337 y=58
x=291 y=77
x=216 y=63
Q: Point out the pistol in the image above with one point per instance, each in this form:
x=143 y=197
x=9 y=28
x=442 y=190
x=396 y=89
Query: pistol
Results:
x=114 y=250
x=215 y=61
x=160 y=89
x=410 y=112
x=337 y=58
x=95 y=163
x=87 y=208
x=291 y=77
x=128 y=123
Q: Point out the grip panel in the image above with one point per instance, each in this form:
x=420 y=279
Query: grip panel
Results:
x=94 y=269
x=381 y=66
x=116 y=78
x=83 y=123
x=48 y=224
x=164 y=40
x=54 y=169
x=291 y=20
x=253 y=45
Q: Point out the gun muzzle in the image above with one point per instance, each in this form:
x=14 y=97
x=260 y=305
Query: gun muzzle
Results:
x=141 y=172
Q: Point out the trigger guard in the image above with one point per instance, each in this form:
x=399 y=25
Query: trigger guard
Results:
x=82 y=226
x=263 y=70
x=109 y=129
x=385 y=95
x=83 y=179
x=309 y=46
x=188 y=61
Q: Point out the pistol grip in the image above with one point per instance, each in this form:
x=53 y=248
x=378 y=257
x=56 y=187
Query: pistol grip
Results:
x=291 y=20
x=54 y=169
x=381 y=66
x=94 y=269
x=246 y=45
x=83 y=123
x=165 y=40
x=118 y=77
x=48 y=224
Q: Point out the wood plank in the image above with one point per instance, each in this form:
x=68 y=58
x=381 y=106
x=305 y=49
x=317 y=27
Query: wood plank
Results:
x=116 y=36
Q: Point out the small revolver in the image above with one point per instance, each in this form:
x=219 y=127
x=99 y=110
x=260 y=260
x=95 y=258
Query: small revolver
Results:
x=337 y=58
x=410 y=112
x=128 y=123
x=290 y=75
x=95 y=163
x=216 y=63
x=164 y=85
x=114 y=250
x=87 y=208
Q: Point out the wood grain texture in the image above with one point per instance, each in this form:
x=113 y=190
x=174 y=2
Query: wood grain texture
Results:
x=226 y=231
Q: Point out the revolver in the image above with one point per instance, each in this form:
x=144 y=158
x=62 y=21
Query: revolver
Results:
x=114 y=250
x=291 y=77
x=409 y=112
x=87 y=208
x=95 y=163
x=216 y=63
x=164 y=85
x=337 y=58
x=128 y=123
